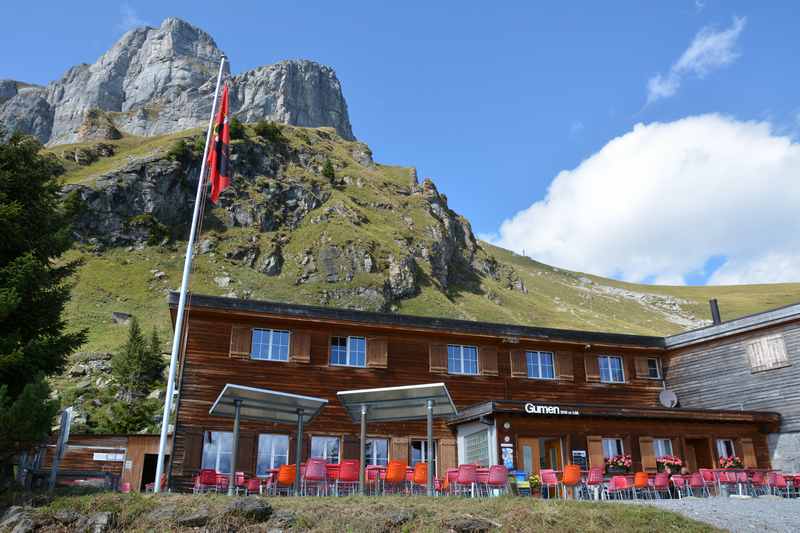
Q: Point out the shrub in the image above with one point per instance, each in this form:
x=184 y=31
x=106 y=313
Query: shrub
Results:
x=180 y=151
x=269 y=131
x=327 y=170
x=237 y=129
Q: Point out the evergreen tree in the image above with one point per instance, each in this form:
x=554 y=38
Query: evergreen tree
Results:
x=327 y=170
x=138 y=366
x=33 y=292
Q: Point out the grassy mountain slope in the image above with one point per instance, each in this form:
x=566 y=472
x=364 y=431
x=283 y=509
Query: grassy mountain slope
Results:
x=383 y=213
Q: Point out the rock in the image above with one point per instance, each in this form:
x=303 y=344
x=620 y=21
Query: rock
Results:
x=283 y=519
x=206 y=246
x=402 y=277
x=96 y=523
x=272 y=263
x=223 y=281
x=159 y=275
x=13 y=516
x=77 y=370
x=157 y=394
x=24 y=525
x=396 y=519
x=66 y=517
x=162 y=513
x=470 y=524
x=161 y=80
x=251 y=508
x=118 y=317
x=198 y=518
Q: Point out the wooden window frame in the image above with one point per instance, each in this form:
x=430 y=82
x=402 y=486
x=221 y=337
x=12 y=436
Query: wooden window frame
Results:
x=348 y=352
x=622 y=368
x=659 y=372
x=665 y=439
x=621 y=447
x=388 y=450
x=258 y=449
x=461 y=348
x=718 y=448
x=270 y=344
x=539 y=356
x=320 y=436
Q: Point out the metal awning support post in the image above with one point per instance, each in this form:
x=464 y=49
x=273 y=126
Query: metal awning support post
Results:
x=298 y=451
x=362 y=469
x=429 y=459
x=237 y=407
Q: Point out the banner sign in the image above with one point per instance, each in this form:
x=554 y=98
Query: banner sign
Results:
x=539 y=409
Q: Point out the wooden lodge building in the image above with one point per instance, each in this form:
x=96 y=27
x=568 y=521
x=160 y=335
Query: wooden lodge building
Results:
x=527 y=397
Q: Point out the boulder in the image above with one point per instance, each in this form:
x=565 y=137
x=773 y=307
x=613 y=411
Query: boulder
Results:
x=196 y=518
x=470 y=524
x=118 y=317
x=251 y=508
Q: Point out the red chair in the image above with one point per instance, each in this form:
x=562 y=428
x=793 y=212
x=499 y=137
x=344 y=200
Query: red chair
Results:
x=347 y=477
x=373 y=479
x=151 y=487
x=728 y=479
x=252 y=486
x=315 y=476
x=680 y=483
x=450 y=479
x=709 y=480
x=661 y=485
x=619 y=488
x=594 y=482
x=550 y=480
x=758 y=484
x=698 y=484
x=206 y=481
x=466 y=479
x=482 y=481
x=777 y=484
x=497 y=479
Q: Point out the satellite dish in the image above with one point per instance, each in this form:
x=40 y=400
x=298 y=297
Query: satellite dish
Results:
x=668 y=398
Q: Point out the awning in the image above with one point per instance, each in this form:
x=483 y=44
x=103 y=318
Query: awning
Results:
x=266 y=405
x=398 y=403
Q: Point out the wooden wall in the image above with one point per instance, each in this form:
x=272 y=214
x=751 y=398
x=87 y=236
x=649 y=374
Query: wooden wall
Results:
x=717 y=375
x=212 y=360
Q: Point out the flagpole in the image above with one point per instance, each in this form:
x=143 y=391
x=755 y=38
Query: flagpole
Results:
x=187 y=268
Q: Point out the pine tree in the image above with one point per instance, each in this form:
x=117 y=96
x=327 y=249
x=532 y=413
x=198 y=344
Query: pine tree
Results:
x=138 y=366
x=327 y=170
x=33 y=292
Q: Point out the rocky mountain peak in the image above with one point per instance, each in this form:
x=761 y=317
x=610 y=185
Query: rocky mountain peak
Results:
x=161 y=80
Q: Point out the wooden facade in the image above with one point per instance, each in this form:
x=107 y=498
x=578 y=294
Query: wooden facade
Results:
x=403 y=350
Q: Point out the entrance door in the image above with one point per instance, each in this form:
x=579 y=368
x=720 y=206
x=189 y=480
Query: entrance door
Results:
x=529 y=452
x=551 y=458
x=149 y=469
x=698 y=454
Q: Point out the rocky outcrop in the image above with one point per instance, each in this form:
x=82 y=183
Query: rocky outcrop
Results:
x=161 y=80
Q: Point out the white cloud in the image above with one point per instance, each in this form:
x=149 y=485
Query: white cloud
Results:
x=711 y=49
x=130 y=18
x=659 y=201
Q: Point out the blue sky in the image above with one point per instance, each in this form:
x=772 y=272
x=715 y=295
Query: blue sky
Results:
x=494 y=102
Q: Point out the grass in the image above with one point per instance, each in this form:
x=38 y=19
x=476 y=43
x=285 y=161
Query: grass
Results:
x=137 y=512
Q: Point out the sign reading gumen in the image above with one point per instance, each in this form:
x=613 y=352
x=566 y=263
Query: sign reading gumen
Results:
x=317 y=352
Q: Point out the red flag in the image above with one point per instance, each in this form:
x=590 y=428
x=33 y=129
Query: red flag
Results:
x=219 y=153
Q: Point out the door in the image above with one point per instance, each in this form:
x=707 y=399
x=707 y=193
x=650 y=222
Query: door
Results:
x=529 y=454
x=552 y=454
x=698 y=453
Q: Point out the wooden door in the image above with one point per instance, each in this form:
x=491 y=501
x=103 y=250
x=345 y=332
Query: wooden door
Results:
x=552 y=454
x=528 y=455
x=691 y=457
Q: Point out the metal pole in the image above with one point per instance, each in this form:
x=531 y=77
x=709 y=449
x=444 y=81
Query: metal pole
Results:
x=298 y=457
x=429 y=459
x=237 y=406
x=363 y=452
x=187 y=268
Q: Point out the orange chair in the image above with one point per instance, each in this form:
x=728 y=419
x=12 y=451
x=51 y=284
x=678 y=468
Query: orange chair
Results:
x=285 y=480
x=395 y=479
x=571 y=479
x=641 y=485
x=419 y=480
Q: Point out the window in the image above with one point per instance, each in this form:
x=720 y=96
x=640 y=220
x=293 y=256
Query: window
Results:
x=540 y=365
x=654 y=368
x=662 y=447
x=273 y=451
x=325 y=448
x=476 y=448
x=462 y=359
x=725 y=448
x=217 y=446
x=349 y=351
x=612 y=447
x=611 y=369
x=377 y=452
x=270 y=345
x=419 y=452
x=767 y=353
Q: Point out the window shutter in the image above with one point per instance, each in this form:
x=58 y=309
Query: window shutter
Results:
x=241 y=339
x=642 y=370
x=592 y=366
x=244 y=459
x=193 y=451
x=487 y=360
x=648 y=454
x=448 y=456
x=351 y=447
x=300 y=346
x=564 y=366
x=519 y=364
x=595 y=448
x=438 y=357
x=377 y=352
x=399 y=449
x=748 y=453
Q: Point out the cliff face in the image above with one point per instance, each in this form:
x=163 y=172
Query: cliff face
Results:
x=161 y=80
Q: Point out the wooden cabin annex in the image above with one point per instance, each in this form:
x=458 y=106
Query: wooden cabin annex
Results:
x=528 y=397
